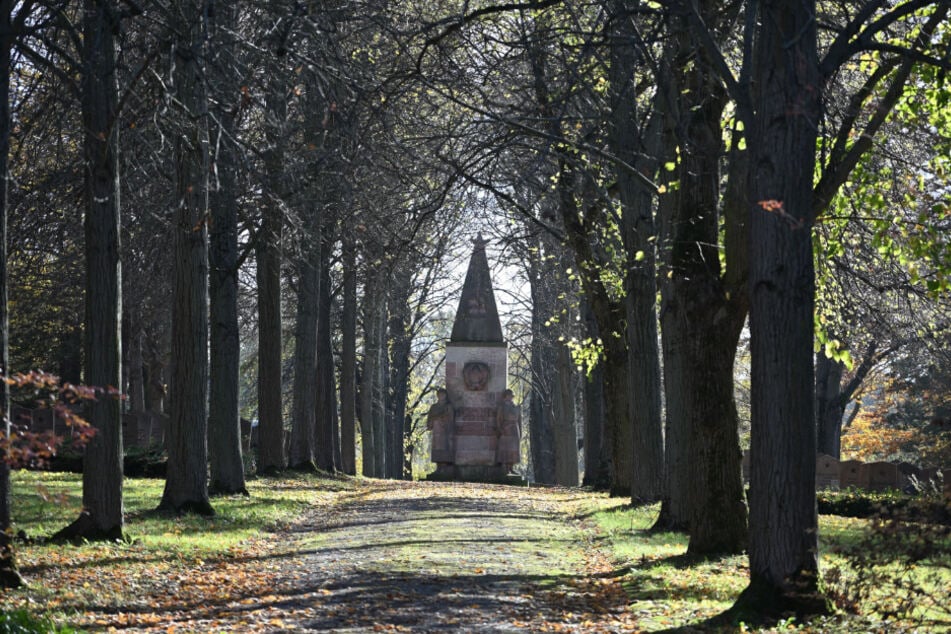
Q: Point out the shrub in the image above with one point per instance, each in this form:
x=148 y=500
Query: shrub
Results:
x=929 y=507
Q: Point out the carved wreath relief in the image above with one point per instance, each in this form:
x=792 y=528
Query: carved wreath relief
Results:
x=475 y=375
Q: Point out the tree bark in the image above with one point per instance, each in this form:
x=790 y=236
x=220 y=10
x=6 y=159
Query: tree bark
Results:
x=704 y=315
x=596 y=473
x=399 y=343
x=565 y=433
x=783 y=544
x=186 y=484
x=371 y=437
x=832 y=395
x=541 y=427
x=379 y=392
x=639 y=236
x=328 y=437
x=348 y=361
x=155 y=387
x=136 y=373
x=830 y=407
x=269 y=254
x=9 y=575
x=224 y=424
x=101 y=517
x=303 y=453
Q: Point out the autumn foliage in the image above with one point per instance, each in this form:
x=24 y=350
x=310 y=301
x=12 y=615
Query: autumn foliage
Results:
x=27 y=448
x=902 y=418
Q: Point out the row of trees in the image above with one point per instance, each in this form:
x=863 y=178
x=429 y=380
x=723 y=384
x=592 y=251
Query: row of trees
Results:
x=726 y=157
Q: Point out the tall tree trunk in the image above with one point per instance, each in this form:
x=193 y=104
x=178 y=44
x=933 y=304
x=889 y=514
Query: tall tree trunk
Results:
x=675 y=506
x=783 y=543
x=155 y=388
x=400 y=343
x=372 y=443
x=269 y=255
x=303 y=450
x=618 y=428
x=348 y=361
x=565 y=432
x=609 y=314
x=541 y=426
x=834 y=391
x=9 y=575
x=380 y=389
x=224 y=424
x=136 y=372
x=640 y=285
x=596 y=474
x=830 y=407
x=101 y=517
x=704 y=315
x=328 y=438
x=186 y=483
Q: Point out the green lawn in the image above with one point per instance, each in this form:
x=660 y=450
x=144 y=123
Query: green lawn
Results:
x=171 y=563
x=667 y=590
x=165 y=558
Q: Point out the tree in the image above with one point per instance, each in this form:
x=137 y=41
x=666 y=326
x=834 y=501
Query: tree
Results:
x=371 y=383
x=269 y=253
x=328 y=424
x=101 y=517
x=785 y=105
x=704 y=303
x=224 y=426
x=348 y=360
x=186 y=484
x=9 y=576
x=635 y=144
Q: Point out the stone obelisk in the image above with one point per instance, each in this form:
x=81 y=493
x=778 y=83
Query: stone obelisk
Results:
x=476 y=372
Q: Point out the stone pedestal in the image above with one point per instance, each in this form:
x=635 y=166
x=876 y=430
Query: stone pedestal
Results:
x=475 y=379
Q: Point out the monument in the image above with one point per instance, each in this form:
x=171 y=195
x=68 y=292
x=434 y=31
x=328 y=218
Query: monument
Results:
x=485 y=429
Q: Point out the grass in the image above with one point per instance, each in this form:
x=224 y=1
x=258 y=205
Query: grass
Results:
x=667 y=590
x=157 y=565
x=176 y=565
x=45 y=502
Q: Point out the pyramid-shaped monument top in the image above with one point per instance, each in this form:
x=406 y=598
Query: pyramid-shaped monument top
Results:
x=477 y=319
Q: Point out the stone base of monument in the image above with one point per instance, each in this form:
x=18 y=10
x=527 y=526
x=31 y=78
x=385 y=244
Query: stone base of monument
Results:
x=489 y=474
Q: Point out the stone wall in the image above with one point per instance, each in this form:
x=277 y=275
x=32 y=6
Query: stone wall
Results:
x=138 y=430
x=871 y=476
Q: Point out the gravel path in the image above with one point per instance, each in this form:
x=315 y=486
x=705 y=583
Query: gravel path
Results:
x=448 y=557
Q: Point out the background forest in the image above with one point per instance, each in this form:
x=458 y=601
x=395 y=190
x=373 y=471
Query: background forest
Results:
x=716 y=224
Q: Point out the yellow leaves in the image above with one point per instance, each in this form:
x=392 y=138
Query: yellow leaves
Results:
x=868 y=438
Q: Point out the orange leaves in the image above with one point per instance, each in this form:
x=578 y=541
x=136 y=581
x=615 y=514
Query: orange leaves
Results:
x=25 y=447
x=778 y=208
x=867 y=438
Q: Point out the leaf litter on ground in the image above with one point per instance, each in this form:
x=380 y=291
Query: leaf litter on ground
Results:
x=332 y=554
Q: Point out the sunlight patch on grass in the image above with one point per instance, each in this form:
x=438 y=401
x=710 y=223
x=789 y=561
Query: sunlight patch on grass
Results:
x=163 y=552
x=668 y=590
